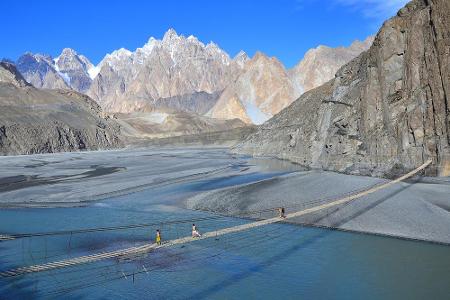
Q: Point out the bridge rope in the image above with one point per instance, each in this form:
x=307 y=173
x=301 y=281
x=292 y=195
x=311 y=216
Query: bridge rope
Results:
x=6 y=237
x=255 y=242
x=132 y=251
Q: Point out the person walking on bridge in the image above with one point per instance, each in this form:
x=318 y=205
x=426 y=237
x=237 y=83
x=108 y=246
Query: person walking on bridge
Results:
x=281 y=212
x=158 y=237
x=195 y=232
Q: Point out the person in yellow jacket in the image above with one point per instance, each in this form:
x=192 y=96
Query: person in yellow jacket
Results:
x=158 y=237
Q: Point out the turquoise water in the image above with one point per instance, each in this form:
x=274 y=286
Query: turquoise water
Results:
x=276 y=261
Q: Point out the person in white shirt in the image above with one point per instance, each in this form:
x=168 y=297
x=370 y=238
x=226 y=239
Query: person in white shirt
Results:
x=195 y=232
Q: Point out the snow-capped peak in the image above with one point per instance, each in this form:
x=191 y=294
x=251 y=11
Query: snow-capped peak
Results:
x=117 y=55
x=241 y=54
x=68 y=52
x=212 y=45
x=149 y=46
x=122 y=52
x=214 y=50
x=241 y=58
x=171 y=34
x=113 y=59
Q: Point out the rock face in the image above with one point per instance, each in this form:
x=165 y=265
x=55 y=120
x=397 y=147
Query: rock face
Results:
x=175 y=66
x=384 y=112
x=40 y=121
x=321 y=64
x=67 y=71
x=261 y=91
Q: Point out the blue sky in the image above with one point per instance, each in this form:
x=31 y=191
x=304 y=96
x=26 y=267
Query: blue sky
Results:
x=282 y=28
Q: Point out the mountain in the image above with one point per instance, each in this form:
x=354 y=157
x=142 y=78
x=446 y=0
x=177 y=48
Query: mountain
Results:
x=262 y=90
x=41 y=120
x=39 y=70
x=75 y=68
x=67 y=71
x=320 y=64
x=266 y=87
x=184 y=73
x=175 y=66
x=385 y=112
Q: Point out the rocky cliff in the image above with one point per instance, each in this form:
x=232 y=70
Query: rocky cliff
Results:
x=40 y=121
x=384 y=112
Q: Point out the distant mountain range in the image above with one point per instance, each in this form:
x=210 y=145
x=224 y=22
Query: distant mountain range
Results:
x=176 y=70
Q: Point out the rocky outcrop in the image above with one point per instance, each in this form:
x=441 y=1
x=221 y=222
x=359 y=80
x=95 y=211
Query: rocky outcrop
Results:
x=320 y=64
x=262 y=90
x=384 y=112
x=40 y=121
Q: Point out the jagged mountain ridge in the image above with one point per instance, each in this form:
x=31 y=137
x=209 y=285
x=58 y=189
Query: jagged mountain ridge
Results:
x=173 y=66
x=383 y=113
x=186 y=70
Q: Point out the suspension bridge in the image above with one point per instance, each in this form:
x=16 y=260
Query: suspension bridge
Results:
x=145 y=248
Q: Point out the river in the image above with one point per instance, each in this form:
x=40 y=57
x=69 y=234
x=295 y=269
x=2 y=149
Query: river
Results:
x=276 y=261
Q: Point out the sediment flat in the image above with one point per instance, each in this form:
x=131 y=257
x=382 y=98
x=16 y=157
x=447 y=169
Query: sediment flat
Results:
x=65 y=179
